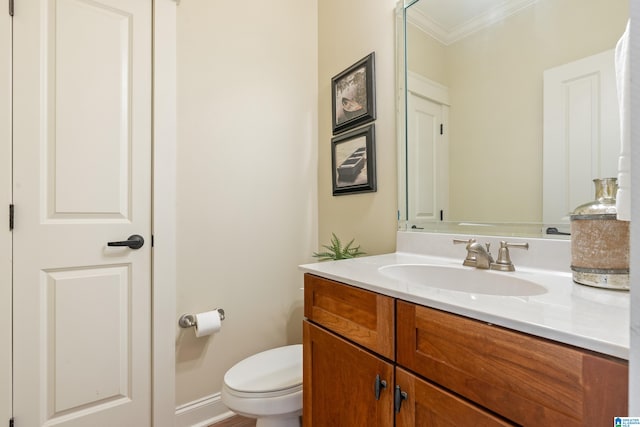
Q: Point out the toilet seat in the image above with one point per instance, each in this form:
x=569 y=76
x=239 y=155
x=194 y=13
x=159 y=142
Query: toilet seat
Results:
x=272 y=373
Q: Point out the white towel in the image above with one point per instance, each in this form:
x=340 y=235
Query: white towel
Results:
x=623 y=83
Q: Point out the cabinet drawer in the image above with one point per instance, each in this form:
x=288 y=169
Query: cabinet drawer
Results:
x=528 y=380
x=361 y=316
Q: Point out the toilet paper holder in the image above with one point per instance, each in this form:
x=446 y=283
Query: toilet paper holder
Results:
x=189 y=320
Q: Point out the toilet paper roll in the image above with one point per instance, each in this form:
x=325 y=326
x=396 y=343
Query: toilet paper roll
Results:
x=207 y=323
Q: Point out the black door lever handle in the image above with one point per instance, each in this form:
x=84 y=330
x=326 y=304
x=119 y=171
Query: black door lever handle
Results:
x=134 y=241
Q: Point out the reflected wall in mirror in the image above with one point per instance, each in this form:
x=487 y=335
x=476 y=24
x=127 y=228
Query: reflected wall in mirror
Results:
x=484 y=70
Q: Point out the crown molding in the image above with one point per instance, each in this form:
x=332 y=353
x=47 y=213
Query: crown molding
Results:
x=484 y=20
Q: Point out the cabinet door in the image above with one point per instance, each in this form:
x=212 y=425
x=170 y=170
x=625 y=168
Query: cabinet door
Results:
x=528 y=380
x=431 y=406
x=339 y=383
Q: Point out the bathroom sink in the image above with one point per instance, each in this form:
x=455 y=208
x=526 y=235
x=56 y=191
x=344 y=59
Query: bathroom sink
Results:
x=463 y=279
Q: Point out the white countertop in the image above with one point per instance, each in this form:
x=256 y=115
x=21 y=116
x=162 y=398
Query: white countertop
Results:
x=590 y=318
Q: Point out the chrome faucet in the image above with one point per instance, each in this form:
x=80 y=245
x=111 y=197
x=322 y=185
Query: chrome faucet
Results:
x=504 y=260
x=470 y=260
x=477 y=255
x=484 y=260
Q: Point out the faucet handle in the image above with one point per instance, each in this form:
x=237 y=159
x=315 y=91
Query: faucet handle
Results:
x=470 y=260
x=503 y=263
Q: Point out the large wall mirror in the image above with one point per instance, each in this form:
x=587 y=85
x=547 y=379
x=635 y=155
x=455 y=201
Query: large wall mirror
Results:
x=508 y=109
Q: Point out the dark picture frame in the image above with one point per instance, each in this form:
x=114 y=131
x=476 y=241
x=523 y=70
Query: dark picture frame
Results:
x=353 y=95
x=353 y=161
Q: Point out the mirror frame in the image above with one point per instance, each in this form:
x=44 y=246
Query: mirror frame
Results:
x=401 y=107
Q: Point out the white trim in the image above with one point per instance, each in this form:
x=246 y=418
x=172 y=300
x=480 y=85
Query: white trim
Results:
x=449 y=36
x=164 y=213
x=401 y=104
x=634 y=350
x=202 y=412
x=6 y=397
x=427 y=88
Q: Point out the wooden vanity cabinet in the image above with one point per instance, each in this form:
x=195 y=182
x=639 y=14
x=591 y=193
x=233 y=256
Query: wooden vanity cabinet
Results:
x=528 y=380
x=444 y=369
x=349 y=346
x=361 y=316
x=339 y=383
x=426 y=404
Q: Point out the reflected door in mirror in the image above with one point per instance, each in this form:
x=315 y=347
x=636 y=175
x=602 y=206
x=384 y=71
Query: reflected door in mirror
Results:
x=427 y=144
x=581 y=133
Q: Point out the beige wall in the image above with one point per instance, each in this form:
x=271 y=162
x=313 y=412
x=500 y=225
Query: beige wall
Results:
x=246 y=191
x=495 y=82
x=426 y=56
x=347 y=32
x=249 y=201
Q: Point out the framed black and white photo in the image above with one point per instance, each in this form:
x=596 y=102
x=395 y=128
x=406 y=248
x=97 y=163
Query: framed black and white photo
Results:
x=353 y=95
x=353 y=161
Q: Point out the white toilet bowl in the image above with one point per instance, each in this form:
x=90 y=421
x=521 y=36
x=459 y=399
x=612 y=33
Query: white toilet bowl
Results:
x=267 y=386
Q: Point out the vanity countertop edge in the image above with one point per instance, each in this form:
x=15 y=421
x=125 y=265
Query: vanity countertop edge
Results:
x=589 y=318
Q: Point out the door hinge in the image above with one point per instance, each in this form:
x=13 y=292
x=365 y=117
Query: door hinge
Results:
x=11 y=422
x=441 y=215
x=11 y=223
x=11 y=7
x=441 y=129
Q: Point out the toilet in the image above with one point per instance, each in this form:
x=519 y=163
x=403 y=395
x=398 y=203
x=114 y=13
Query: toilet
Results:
x=267 y=386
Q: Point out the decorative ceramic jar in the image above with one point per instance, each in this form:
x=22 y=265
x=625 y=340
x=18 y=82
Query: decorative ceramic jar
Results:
x=599 y=241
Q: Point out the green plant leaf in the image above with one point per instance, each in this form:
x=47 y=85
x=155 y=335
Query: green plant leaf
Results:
x=336 y=251
x=324 y=255
x=336 y=243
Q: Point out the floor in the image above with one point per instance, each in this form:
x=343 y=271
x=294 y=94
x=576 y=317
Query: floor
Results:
x=236 y=421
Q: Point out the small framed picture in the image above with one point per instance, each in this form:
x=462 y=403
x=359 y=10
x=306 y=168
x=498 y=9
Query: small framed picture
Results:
x=353 y=161
x=353 y=95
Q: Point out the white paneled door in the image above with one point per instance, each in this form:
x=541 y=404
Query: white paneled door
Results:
x=427 y=160
x=581 y=133
x=82 y=178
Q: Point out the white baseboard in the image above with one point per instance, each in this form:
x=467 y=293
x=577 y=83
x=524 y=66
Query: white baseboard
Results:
x=202 y=412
